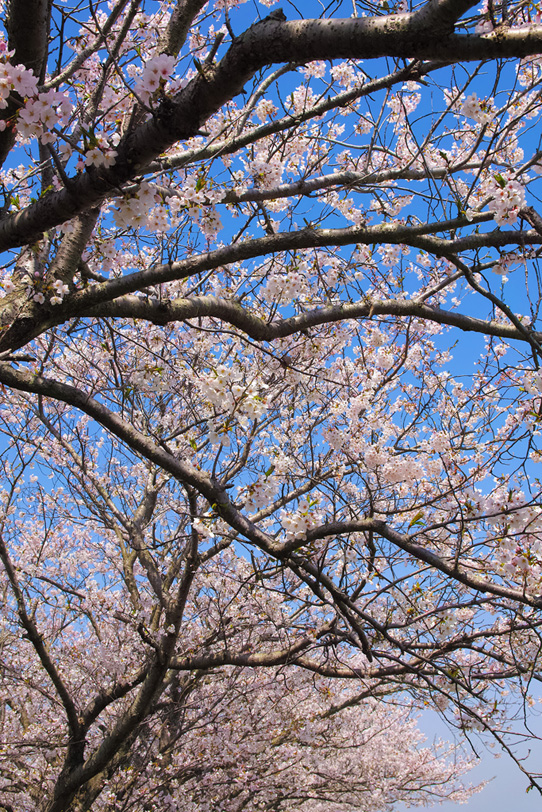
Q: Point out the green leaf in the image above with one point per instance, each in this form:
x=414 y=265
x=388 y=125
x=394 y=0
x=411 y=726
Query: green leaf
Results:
x=417 y=519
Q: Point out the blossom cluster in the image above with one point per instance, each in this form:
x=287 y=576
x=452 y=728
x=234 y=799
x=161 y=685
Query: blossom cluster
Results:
x=154 y=76
x=16 y=78
x=261 y=493
x=41 y=111
x=59 y=289
x=137 y=209
x=209 y=221
x=404 y=102
x=476 y=109
x=507 y=197
x=151 y=378
x=298 y=522
x=506 y=262
x=402 y=469
x=344 y=74
x=267 y=172
x=218 y=387
x=264 y=109
x=158 y=209
x=101 y=153
x=225 y=390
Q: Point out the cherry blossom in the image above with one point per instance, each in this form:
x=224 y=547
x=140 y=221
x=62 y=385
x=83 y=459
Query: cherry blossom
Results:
x=154 y=76
x=270 y=407
x=476 y=109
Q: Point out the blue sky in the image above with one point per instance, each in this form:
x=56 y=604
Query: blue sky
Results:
x=506 y=790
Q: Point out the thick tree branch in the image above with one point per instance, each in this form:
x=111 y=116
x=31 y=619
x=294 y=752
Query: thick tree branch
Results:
x=420 y=236
x=179 y=24
x=19 y=329
x=400 y=35
x=443 y=14
x=233 y=313
x=27 y=25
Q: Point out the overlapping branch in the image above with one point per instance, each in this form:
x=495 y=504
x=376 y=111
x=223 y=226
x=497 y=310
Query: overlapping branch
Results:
x=104 y=299
x=409 y=36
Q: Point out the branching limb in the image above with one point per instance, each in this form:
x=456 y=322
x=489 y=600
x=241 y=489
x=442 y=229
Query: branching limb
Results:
x=182 y=470
x=180 y=118
x=233 y=313
x=449 y=568
x=27 y=25
x=443 y=14
x=179 y=24
x=84 y=54
x=32 y=633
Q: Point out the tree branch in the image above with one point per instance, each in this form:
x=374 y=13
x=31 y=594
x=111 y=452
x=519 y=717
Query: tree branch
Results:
x=443 y=14
x=179 y=24
x=449 y=568
x=419 y=236
x=399 y=35
x=182 y=470
x=27 y=25
x=91 y=301
x=152 y=310
x=33 y=635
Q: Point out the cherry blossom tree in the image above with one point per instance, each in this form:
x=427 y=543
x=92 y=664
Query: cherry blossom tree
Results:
x=271 y=409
